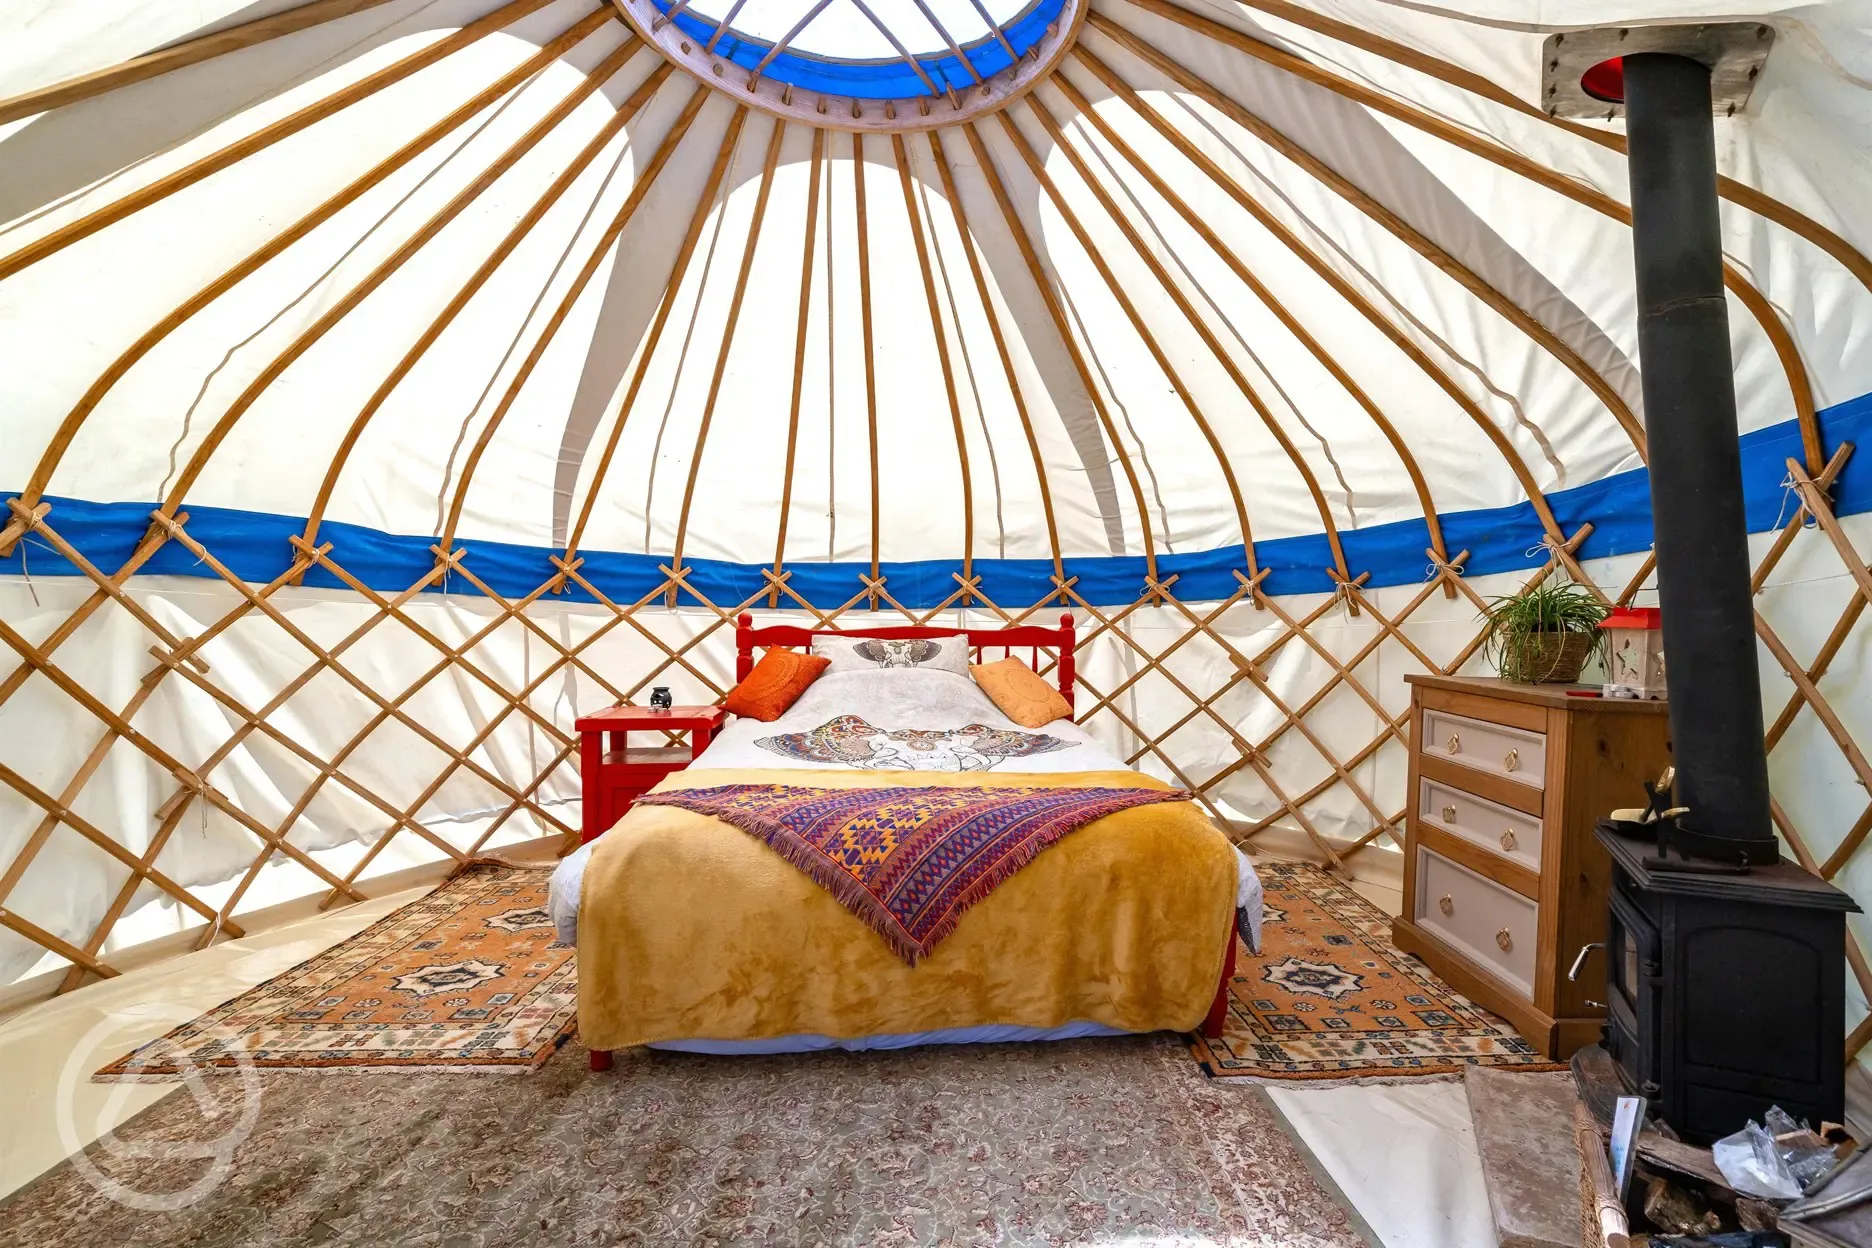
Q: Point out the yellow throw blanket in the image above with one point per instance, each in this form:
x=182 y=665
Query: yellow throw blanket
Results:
x=690 y=929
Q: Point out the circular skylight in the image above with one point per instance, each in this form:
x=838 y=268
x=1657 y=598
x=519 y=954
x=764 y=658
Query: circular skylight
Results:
x=868 y=49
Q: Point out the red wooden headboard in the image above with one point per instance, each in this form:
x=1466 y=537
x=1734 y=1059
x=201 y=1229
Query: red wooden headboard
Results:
x=1032 y=637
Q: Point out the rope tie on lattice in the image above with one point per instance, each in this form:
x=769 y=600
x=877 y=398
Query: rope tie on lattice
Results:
x=25 y=521
x=1346 y=590
x=1439 y=566
x=1791 y=492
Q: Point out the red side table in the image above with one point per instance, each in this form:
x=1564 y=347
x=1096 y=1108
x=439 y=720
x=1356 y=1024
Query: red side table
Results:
x=614 y=778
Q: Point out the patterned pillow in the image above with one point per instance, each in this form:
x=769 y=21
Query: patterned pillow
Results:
x=872 y=654
x=1022 y=694
x=775 y=684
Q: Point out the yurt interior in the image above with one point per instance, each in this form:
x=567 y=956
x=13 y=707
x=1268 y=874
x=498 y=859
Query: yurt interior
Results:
x=899 y=622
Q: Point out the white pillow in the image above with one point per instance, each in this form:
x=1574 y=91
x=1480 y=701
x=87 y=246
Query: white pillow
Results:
x=871 y=654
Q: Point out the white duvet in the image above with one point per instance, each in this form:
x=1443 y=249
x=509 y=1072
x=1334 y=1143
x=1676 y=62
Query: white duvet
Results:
x=901 y=719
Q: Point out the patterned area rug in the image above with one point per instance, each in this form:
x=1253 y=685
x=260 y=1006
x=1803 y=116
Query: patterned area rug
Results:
x=468 y=978
x=1108 y=1142
x=1331 y=997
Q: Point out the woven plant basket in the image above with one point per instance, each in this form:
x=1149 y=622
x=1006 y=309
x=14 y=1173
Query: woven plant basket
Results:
x=1546 y=658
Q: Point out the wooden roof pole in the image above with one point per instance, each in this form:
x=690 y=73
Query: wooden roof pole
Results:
x=1339 y=284
x=1000 y=341
x=1203 y=331
x=1038 y=169
x=807 y=246
x=1745 y=291
x=486 y=270
x=929 y=15
x=727 y=341
x=655 y=333
x=1060 y=326
x=902 y=52
x=345 y=304
x=639 y=189
x=902 y=154
x=1395 y=225
x=1273 y=304
x=177 y=56
x=74 y=420
x=1738 y=193
x=263 y=138
x=870 y=359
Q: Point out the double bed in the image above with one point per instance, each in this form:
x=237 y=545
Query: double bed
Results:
x=695 y=935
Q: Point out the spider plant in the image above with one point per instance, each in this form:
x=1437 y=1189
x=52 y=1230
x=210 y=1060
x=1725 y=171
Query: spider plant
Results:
x=1530 y=634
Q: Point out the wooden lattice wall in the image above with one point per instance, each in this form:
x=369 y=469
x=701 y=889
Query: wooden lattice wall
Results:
x=697 y=654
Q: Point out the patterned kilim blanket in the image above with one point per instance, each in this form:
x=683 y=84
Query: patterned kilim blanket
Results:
x=908 y=861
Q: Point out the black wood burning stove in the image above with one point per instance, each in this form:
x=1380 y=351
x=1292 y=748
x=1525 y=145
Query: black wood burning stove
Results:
x=1727 y=966
x=1727 y=992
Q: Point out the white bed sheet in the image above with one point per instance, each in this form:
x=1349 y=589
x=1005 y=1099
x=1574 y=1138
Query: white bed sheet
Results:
x=897 y=701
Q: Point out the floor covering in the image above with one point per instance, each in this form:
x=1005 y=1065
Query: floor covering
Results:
x=1089 y=1141
x=1402 y=1155
x=468 y=977
x=1331 y=998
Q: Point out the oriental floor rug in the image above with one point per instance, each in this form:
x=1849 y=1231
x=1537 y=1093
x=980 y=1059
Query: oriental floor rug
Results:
x=466 y=979
x=1331 y=998
x=1111 y=1141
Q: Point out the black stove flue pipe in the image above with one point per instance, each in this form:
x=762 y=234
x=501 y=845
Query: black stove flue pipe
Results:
x=1695 y=463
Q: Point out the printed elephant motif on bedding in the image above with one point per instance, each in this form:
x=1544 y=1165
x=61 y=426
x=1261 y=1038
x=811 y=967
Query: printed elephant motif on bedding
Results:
x=854 y=742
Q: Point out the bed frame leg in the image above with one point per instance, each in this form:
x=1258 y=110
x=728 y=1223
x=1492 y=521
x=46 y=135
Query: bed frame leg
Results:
x=601 y=1059
x=1218 y=1009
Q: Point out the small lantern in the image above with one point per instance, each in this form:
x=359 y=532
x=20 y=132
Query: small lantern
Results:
x=1634 y=655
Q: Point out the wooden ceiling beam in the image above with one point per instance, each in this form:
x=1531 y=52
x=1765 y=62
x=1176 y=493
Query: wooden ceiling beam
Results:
x=870 y=358
x=1739 y=193
x=1044 y=285
x=74 y=420
x=807 y=247
x=265 y=137
x=345 y=304
x=1746 y=293
x=1340 y=286
x=1197 y=322
x=1385 y=218
x=178 y=56
x=479 y=278
x=735 y=302
x=995 y=331
x=902 y=153
x=1272 y=302
x=698 y=218
x=646 y=179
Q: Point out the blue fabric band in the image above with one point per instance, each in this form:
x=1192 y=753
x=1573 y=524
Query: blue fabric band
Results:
x=254 y=545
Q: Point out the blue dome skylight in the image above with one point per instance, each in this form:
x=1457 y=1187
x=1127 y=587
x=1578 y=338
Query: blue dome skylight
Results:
x=870 y=49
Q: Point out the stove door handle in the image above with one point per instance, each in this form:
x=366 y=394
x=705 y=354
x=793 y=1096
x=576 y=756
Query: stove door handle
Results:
x=1579 y=961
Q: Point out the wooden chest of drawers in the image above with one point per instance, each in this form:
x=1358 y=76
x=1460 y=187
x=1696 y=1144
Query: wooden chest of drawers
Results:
x=1503 y=881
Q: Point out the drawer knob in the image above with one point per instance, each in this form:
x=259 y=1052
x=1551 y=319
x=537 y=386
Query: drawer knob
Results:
x=1449 y=814
x=1503 y=939
x=1508 y=840
x=1513 y=761
x=1446 y=904
x=1454 y=744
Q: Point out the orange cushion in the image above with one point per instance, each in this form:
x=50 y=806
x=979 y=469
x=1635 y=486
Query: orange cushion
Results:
x=1021 y=693
x=775 y=684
